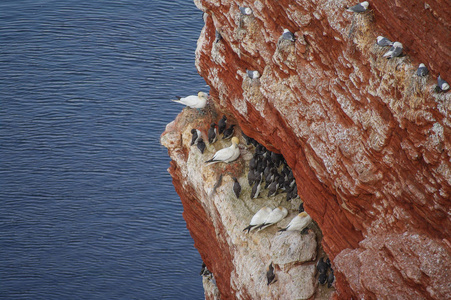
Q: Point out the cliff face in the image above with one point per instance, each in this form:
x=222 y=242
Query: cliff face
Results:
x=367 y=140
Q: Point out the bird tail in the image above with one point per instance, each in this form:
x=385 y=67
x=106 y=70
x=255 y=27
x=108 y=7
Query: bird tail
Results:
x=262 y=226
x=178 y=99
x=248 y=228
x=211 y=161
x=283 y=229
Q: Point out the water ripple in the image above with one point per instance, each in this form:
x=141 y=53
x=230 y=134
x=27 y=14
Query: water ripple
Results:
x=88 y=209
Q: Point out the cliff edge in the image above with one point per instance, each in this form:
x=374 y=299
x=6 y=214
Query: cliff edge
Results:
x=368 y=142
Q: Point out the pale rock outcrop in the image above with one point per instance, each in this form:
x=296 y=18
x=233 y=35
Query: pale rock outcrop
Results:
x=368 y=141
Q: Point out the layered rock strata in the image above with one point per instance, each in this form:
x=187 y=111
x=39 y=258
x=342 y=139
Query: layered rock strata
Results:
x=368 y=141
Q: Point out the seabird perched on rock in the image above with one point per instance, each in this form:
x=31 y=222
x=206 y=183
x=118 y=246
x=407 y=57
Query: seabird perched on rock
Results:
x=330 y=278
x=246 y=138
x=212 y=133
x=218 y=36
x=256 y=188
x=321 y=266
x=394 y=51
x=442 y=85
x=196 y=136
x=204 y=270
x=359 y=8
x=253 y=162
x=228 y=154
x=222 y=124
x=422 y=70
x=277 y=159
x=288 y=35
x=383 y=41
x=270 y=274
x=275 y=216
x=201 y=145
x=253 y=74
x=198 y=101
x=245 y=10
x=299 y=222
x=228 y=133
x=322 y=278
x=236 y=187
x=272 y=188
x=258 y=218
x=301 y=207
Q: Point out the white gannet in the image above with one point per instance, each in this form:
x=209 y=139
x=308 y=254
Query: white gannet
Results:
x=383 y=41
x=198 y=101
x=422 y=70
x=258 y=218
x=299 y=222
x=228 y=154
x=394 y=51
x=287 y=35
x=275 y=216
x=361 y=7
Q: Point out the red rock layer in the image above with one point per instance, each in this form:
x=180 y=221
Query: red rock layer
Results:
x=369 y=142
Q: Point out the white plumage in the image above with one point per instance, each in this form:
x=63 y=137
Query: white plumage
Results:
x=394 y=51
x=198 y=101
x=258 y=218
x=275 y=216
x=442 y=84
x=228 y=154
x=383 y=41
x=299 y=222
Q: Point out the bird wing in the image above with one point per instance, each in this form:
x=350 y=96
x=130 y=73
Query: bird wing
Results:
x=223 y=154
x=190 y=100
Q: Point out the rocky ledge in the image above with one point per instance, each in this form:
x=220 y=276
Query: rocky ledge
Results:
x=368 y=142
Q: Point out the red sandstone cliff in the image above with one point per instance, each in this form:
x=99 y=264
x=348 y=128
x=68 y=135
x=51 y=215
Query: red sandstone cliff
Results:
x=368 y=141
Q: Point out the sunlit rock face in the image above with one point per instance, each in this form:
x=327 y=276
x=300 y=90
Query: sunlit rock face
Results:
x=368 y=142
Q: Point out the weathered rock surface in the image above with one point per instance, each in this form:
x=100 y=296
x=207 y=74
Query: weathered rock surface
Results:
x=368 y=141
x=216 y=219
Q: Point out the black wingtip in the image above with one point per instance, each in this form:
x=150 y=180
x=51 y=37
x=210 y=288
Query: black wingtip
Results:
x=248 y=228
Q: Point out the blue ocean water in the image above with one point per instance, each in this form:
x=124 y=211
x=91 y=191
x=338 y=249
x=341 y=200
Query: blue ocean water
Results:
x=88 y=210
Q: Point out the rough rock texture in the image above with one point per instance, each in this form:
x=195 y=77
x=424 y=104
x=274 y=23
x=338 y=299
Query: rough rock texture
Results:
x=216 y=219
x=368 y=141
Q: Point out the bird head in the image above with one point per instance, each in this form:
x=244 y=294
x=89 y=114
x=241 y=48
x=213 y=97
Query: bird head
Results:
x=303 y=214
x=235 y=140
x=365 y=4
